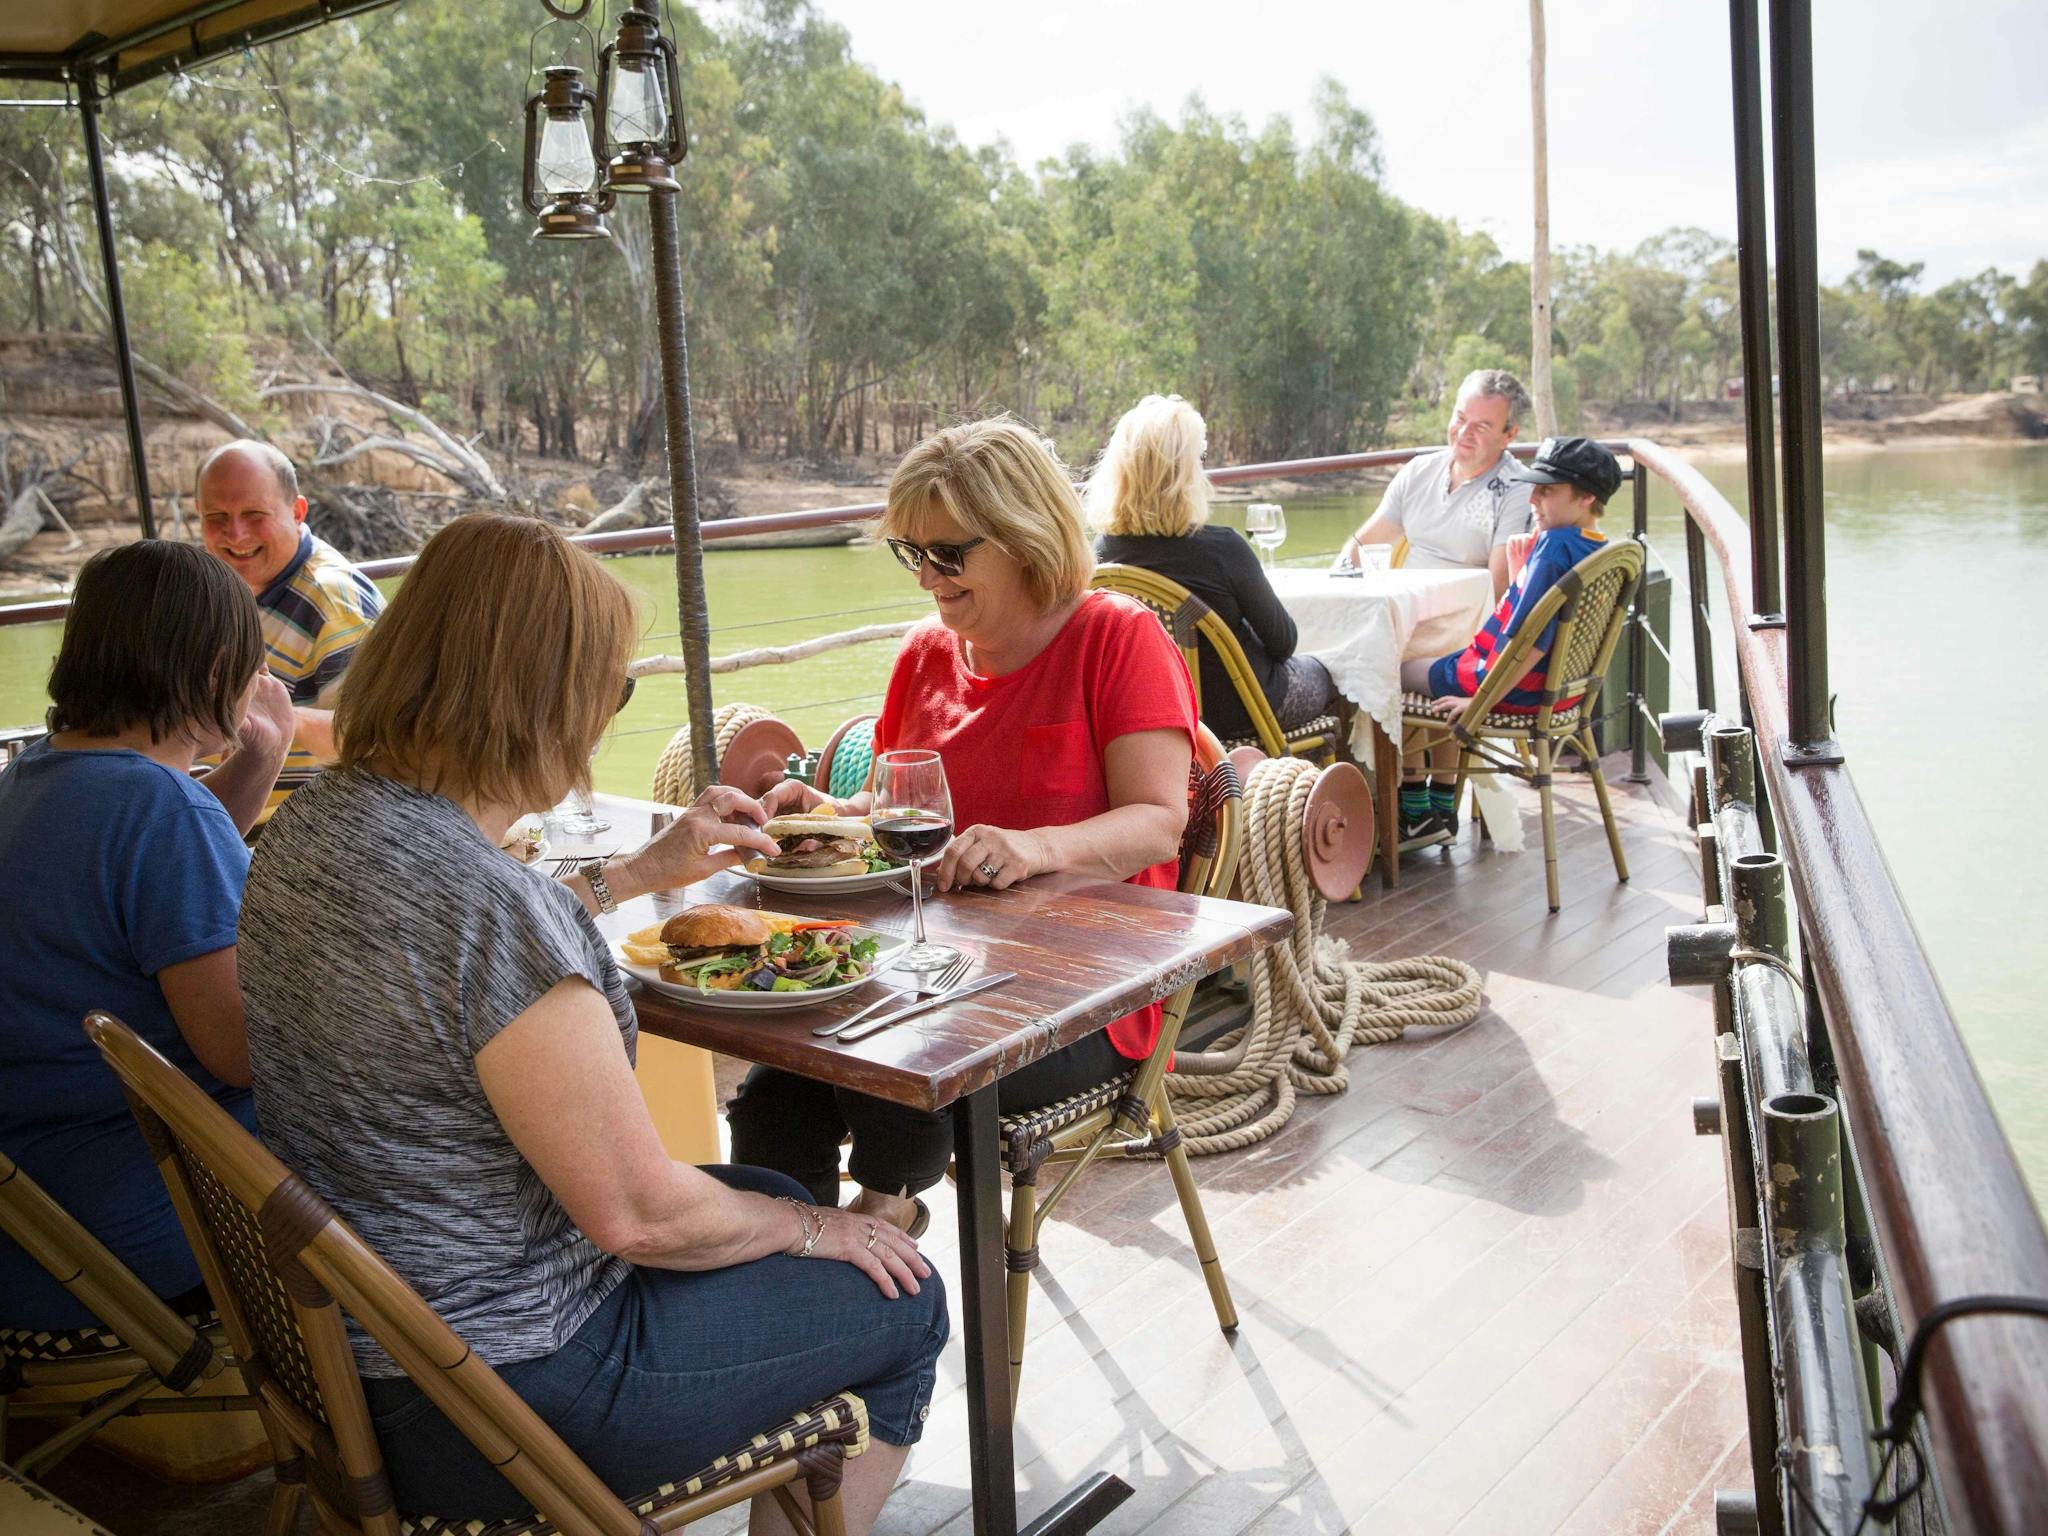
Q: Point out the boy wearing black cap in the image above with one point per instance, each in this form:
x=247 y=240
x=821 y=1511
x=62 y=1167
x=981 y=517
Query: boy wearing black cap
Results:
x=1571 y=480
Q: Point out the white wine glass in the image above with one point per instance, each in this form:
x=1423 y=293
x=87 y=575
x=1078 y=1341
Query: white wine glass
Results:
x=577 y=815
x=1266 y=524
x=913 y=821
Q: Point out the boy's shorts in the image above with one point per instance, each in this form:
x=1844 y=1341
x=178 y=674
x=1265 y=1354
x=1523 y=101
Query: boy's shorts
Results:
x=1443 y=678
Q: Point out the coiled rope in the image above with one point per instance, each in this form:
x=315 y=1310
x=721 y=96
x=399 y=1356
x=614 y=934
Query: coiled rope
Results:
x=1311 y=1003
x=673 y=774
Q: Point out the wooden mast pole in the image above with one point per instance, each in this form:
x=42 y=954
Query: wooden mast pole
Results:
x=1539 y=259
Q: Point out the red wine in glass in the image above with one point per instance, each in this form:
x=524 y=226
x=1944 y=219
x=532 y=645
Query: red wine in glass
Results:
x=912 y=836
x=913 y=821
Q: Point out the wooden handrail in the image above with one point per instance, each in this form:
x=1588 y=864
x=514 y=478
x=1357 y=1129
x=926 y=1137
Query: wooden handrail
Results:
x=1953 y=1214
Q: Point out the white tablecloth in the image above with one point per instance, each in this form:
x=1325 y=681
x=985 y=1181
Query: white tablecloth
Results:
x=1363 y=627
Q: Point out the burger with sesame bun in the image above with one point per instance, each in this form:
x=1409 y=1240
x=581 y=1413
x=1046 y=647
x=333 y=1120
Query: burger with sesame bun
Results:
x=721 y=948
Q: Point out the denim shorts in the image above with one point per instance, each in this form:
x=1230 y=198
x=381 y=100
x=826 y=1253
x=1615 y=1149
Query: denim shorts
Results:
x=676 y=1368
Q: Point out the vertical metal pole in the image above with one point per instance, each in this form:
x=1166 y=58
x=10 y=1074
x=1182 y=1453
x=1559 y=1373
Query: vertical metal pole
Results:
x=1806 y=610
x=1697 y=590
x=691 y=609
x=983 y=1311
x=1639 y=636
x=1753 y=284
x=117 y=310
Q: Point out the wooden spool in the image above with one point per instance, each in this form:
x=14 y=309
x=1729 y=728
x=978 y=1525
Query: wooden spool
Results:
x=757 y=757
x=1337 y=831
x=1244 y=760
x=823 y=777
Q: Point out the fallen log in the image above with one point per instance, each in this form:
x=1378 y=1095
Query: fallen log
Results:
x=641 y=507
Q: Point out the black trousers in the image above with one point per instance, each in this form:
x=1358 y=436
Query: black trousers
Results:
x=795 y=1124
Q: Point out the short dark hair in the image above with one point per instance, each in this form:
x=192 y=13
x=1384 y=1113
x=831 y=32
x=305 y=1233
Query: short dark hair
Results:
x=159 y=634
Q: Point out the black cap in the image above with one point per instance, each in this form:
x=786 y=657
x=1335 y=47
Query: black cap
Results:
x=1575 y=461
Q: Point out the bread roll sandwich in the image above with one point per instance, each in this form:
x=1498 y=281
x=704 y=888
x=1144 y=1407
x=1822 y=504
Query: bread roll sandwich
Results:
x=817 y=847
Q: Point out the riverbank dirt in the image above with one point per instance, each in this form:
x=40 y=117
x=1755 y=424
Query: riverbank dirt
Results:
x=59 y=409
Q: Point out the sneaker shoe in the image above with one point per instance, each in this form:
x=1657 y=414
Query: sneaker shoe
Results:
x=1418 y=828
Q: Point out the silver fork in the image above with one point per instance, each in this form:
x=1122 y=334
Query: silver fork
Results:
x=929 y=984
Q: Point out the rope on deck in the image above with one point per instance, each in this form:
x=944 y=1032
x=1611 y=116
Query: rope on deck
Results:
x=1311 y=1003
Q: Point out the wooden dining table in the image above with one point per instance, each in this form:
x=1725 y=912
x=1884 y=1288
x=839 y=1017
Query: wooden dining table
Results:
x=1084 y=952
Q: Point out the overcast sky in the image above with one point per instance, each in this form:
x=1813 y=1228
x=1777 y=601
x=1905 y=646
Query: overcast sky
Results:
x=1932 y=139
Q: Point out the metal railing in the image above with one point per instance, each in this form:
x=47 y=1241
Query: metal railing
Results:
x=1871 y=1187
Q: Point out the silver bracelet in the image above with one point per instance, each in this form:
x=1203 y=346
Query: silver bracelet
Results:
x=803 y=1218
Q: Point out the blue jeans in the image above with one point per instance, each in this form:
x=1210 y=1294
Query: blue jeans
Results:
x=679 y=1367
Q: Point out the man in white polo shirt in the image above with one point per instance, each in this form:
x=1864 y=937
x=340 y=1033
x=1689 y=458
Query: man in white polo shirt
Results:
x=1457 y=506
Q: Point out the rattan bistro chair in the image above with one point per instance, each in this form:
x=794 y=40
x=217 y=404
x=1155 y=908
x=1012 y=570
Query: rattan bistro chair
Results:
x=1193 y=623
x=1591 y=605
x=140 y=1349
x=1128 y=1116
x=284 y=1267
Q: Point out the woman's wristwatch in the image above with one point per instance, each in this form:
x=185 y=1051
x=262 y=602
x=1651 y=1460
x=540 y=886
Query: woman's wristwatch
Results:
x=592 y=871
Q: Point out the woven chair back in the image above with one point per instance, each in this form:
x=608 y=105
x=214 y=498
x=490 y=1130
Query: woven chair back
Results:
x=1590 y=604
x=283 y=1268
x=1209 y=851
x=106 y=1287
x=1193 y=624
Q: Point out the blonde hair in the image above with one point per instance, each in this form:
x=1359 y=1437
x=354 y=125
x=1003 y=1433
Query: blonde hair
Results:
x=1149 y=479
x=1000 y=480
x=495 y=669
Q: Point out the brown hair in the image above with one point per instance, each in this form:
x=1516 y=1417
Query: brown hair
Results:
x=1001 y=480
x=496 y=667
x=159 y=634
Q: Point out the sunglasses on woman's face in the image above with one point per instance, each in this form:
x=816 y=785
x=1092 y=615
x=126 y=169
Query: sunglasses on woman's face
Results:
x=626 y=694
x=946 y=559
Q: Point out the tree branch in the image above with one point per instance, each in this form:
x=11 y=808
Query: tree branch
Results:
x=459 y=463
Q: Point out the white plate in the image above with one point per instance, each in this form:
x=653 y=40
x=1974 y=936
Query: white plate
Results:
x=537 y=826
x=832 y=885
x=889 y=947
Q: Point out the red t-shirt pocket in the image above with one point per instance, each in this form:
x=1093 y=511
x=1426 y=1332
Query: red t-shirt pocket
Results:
x=1058 y=763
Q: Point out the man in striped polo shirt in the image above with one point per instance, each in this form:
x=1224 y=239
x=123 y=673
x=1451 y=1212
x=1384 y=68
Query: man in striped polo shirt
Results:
x=316 y=606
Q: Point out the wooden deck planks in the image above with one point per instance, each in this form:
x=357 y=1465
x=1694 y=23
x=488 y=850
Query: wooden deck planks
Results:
x=1497 y=1264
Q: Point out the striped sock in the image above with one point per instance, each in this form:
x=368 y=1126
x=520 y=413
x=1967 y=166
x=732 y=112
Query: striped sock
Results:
x=1443 y=799
x=1414 y=801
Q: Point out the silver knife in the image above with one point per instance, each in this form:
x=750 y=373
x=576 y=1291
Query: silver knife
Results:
x=841 y=1026
x=925 y=1005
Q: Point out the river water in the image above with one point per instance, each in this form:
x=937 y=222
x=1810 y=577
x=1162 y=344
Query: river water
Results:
x=1933 y=562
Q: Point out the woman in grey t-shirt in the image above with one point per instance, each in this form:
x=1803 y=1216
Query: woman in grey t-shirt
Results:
x=443 y=1048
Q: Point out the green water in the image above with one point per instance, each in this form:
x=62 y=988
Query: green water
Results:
x=1933 y=561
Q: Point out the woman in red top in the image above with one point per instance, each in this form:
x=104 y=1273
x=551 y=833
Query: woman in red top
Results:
x=1066 y=722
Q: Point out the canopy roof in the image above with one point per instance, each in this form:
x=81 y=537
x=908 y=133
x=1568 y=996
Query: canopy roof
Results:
x=125 y=42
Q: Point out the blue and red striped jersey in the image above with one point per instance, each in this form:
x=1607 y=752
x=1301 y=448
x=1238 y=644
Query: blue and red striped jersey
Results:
x=1556 y=551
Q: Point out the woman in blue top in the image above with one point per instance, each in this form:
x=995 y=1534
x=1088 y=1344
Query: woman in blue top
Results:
x=124 y=876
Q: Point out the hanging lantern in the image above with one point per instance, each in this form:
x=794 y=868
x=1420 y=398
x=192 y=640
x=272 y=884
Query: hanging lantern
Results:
x=639 y=107
x=561 y=180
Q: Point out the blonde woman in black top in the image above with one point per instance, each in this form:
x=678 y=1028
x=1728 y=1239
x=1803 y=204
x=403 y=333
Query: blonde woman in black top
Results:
x=1149 y=500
